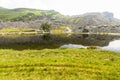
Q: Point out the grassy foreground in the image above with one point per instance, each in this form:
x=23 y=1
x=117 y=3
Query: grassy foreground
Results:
x=59 y=64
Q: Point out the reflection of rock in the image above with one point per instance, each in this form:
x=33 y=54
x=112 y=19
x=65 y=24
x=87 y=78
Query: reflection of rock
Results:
x=85 y=40
x=94 y=40
x=85 y=35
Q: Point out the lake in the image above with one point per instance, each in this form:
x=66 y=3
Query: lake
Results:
x=50 y=41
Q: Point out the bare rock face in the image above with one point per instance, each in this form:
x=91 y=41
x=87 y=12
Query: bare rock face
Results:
x=32 y=23
x=20 y=24
x=107 y=29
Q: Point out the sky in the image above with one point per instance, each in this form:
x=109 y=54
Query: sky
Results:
x=67 y=7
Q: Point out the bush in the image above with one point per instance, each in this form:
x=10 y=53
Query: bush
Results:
x=45 y=26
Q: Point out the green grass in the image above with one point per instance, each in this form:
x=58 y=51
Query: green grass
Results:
x=16 y=29
x=59 y=64
x=11 y=32
x=25 y=14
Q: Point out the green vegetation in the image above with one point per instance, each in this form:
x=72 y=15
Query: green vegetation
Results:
x=60 y=29
x=25 y=14
x=33 y=17
x=59 y=64
x=32 y=61
x=45 y=26
x=17 y=30
x=11 y=32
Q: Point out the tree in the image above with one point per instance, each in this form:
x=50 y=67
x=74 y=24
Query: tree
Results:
x=45 y=26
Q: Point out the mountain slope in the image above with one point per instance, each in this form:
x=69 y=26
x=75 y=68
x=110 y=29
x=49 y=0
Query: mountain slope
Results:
x=94 y=19
x=25 y=17
x=26 y=14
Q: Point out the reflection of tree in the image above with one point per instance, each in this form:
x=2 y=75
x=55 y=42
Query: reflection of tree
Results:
x=85 y=35
x=85 y=30
x=46 y=37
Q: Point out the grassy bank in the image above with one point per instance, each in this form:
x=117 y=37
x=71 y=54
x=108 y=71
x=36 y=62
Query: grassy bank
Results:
x=59 y=64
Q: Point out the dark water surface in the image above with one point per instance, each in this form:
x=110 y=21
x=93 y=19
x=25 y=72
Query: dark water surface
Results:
x=41 y=41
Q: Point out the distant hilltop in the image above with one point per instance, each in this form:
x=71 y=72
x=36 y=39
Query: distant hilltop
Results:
x=26 y=17
x=26 y=14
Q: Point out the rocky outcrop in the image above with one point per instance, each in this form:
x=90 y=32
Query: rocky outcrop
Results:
x=31 y=24
x=20 y=24
x=99 y=29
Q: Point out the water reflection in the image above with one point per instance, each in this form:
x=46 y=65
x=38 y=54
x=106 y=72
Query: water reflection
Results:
x=72 y=46
x=85 y=35
x=42 y=41
x=113 y=46
x=46 y=37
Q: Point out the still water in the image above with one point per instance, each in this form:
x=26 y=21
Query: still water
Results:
x=113 y=46
x=106 y=42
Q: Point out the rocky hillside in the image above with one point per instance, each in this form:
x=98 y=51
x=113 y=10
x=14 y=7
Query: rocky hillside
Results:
x=96 y=22
x=89 y=22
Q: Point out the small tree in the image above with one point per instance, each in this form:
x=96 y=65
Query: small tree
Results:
x=45 y=26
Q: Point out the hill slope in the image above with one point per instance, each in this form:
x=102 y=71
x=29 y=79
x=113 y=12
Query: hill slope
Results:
x=95 y=19
x=25 y=17
x=26 y=14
